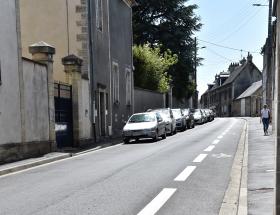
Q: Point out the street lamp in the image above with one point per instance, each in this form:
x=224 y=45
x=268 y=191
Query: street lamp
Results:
x=260 y=5
x=195 y=97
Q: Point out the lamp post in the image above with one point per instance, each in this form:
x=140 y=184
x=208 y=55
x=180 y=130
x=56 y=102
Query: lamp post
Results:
x=195 y=97
x=277 y=109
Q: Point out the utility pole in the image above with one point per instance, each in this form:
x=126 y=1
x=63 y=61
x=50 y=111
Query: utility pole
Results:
x=195 y=96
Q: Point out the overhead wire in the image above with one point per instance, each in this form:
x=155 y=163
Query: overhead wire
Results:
x=243 y=12
x=227 y=47
x=243 y=24
x=219 y=55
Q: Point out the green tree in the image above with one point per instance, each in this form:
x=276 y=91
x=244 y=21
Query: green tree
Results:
x=171 y=23
x=151 y=66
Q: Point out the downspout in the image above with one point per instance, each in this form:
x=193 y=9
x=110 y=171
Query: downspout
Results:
x=132 y=69
x=91 y=77
x=110 y=105
x=20 y=72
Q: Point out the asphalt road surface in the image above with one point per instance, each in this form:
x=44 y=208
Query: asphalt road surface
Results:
x=186 y=174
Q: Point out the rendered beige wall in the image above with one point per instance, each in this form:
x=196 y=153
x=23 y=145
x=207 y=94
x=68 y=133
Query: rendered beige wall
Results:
x=48 y=23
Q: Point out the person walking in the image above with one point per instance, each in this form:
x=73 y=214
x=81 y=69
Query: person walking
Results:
x=265 y=118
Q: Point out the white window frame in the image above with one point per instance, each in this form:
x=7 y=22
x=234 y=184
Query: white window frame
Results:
x=99 y=15
x=116 y=82
x=128 y=86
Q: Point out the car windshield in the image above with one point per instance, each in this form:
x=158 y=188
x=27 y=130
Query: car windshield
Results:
x=142 y=118
x=177 y=113
x=197 y=113
x=163 y=111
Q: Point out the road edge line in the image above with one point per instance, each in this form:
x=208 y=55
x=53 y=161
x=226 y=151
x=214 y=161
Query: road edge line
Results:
x=232 y=198
x=19 y=168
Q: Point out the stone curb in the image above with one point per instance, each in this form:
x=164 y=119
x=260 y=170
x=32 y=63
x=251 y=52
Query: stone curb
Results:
x=235 y=199
x=33 y=164
x=42 y=161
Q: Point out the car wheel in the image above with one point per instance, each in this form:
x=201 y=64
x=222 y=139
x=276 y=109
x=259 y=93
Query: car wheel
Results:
x=189 y=125
x=155 y=139
x=164 y=135
x=171 y=129
x=193 y=125
x=126 y=140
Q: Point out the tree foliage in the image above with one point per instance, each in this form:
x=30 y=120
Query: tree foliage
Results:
x=171 y=23
x=151 y=67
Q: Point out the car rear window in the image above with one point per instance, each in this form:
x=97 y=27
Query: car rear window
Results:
x=142 y=118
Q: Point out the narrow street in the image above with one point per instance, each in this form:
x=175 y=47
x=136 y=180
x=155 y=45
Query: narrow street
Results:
x=187 y=173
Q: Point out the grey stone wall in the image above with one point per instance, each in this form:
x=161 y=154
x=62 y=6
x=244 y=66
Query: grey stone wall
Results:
x=10 y=117
x=146 y=99
x=121 y=52
x=36 y=101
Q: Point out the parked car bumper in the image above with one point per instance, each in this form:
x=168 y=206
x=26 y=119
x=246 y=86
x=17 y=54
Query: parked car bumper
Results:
x=139 y=134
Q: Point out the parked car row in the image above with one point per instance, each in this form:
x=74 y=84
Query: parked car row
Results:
x=155 y=123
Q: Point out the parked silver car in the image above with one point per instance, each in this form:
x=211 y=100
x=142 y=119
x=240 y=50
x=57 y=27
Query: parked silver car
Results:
x=198 y=116
x=144 y=125
x=181 y=123
x=168 y=118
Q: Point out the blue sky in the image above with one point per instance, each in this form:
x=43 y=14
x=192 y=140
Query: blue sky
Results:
x=231 y=23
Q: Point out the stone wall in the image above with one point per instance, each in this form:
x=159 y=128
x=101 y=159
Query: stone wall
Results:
x=35 y=101
x=10 y=113
x=146 y=99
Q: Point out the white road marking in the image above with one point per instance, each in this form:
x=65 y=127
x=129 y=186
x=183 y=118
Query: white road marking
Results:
x=221 y=155
x=215 y=142
x=200 y=158
x=185 y=174
x=209 y=148
x=220 y=137
x=224 y=133
x=157 y=202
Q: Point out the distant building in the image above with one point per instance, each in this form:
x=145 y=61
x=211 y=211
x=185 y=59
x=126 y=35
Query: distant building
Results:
x=229 y=85
x=249 y=103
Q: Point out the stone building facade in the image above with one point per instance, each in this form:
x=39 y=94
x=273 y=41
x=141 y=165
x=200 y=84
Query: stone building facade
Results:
x=100 y=34
x=26 y=121
x=249 y=103
x=229 y=85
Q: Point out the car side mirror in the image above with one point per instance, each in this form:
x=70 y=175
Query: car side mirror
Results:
x=159 y=120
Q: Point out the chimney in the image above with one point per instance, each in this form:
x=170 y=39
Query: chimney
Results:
x=249 y=57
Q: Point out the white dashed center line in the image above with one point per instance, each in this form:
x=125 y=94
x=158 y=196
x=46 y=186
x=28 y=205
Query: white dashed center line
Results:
x=157 y=202
x=200 y=158
x=209 y=148
x=216 y=142
x=185 y=174
x=220 y=137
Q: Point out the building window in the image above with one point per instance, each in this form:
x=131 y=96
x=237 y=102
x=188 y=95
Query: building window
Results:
x=128 y=83
x=116 y=82
x=99 y=15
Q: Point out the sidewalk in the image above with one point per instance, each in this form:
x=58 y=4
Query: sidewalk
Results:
x=260 y=169
x=54 y=156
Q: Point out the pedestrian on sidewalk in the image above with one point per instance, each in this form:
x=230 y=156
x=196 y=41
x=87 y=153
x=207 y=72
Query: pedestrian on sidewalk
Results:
x=265 y=118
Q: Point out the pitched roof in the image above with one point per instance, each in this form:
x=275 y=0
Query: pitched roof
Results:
x=235 y=73
x=251 y=90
